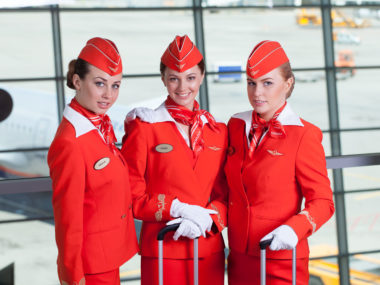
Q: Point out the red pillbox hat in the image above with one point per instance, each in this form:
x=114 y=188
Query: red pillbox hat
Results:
x=103 y=54
x=265 y=56
x=181 y=54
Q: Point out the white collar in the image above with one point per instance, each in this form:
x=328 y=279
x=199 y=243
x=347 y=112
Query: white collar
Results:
x=81 y=124
x=287 y=118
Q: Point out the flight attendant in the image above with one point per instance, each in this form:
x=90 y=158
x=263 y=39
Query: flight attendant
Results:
x=94 y=226
x=275 y=160
x=175 y=155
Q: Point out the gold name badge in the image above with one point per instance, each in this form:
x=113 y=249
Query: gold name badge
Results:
x=101 y=163
x=164 y=148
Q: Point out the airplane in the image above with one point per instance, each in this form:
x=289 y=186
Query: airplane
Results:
x=28 y=120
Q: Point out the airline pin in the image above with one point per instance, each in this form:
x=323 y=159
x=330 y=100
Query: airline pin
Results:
x=214 y=148
x=101 y=163
x=274 y=152
x=164 y=148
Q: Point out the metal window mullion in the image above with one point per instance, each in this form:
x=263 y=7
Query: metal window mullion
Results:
x=333 y=112
x=199 y=40
x=59 y=77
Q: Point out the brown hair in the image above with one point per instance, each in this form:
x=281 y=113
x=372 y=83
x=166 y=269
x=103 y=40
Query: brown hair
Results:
x=76 y=66
x=286 y=71
x=201 y=65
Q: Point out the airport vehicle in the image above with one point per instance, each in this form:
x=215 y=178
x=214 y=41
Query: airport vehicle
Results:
x=312 y=17
x=342 y=37
x=345 y=59
x=34 y=126
x=306 y=17
x=223 y=68
x=340 y=19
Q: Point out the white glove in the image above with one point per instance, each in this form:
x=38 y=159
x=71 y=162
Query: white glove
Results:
x=186 y=229
x=284 y=237
x=197 y=214
x=145 y=114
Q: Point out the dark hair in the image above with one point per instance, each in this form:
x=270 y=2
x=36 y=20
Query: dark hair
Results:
x=286 y=71
x=201 y=65
x=76 y=66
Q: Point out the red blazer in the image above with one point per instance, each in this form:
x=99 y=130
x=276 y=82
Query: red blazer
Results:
x=92 y=205
x=161 y=169
x=267 y=191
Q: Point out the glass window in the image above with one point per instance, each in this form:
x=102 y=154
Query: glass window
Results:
x=227 y=97
x=23 y=164
x=31 y=247
x=365 y=268
x=244 y=28
x=363 y=220
x=326 y=144
x=357 y=96
x=26 y=48
x=33 y=120
x=324 y=270
x=26 y=205
x=355 y=32
x=126 y=3
x=141 y=37
x=362 y=178
x=309 y=98
x=360 y=142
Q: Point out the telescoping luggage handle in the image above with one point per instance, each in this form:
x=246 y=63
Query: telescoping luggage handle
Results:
x=160 y=238
x=263 y=245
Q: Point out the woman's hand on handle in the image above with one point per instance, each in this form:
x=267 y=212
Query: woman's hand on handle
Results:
x=186 y=229
x=196 y=214
x=283 y=237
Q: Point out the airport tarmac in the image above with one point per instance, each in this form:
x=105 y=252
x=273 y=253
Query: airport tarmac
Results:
x=229 y=37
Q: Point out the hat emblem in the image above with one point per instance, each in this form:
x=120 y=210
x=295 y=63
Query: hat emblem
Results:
x=180 y=66
x=254 y=72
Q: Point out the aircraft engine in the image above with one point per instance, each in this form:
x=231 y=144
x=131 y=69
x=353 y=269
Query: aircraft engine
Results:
x=6 y=104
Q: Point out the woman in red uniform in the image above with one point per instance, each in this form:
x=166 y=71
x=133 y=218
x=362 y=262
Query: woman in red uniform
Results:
x=275 y=160
x=92 y=203
x=175 y=155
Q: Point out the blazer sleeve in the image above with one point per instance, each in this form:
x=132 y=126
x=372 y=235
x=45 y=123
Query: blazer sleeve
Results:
x=219 y=196
x=146 y=206
x=67 y=171
x=311 y=176
x=218 y=203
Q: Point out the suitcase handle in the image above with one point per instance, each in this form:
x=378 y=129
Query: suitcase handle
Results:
x=160 y=237
x=171 y=228
x=263 y=245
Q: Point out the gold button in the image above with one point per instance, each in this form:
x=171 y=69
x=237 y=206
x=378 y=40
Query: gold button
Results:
x=123 y=216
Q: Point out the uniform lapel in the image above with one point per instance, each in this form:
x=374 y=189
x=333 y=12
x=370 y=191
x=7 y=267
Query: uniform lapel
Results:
x=236 y=156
